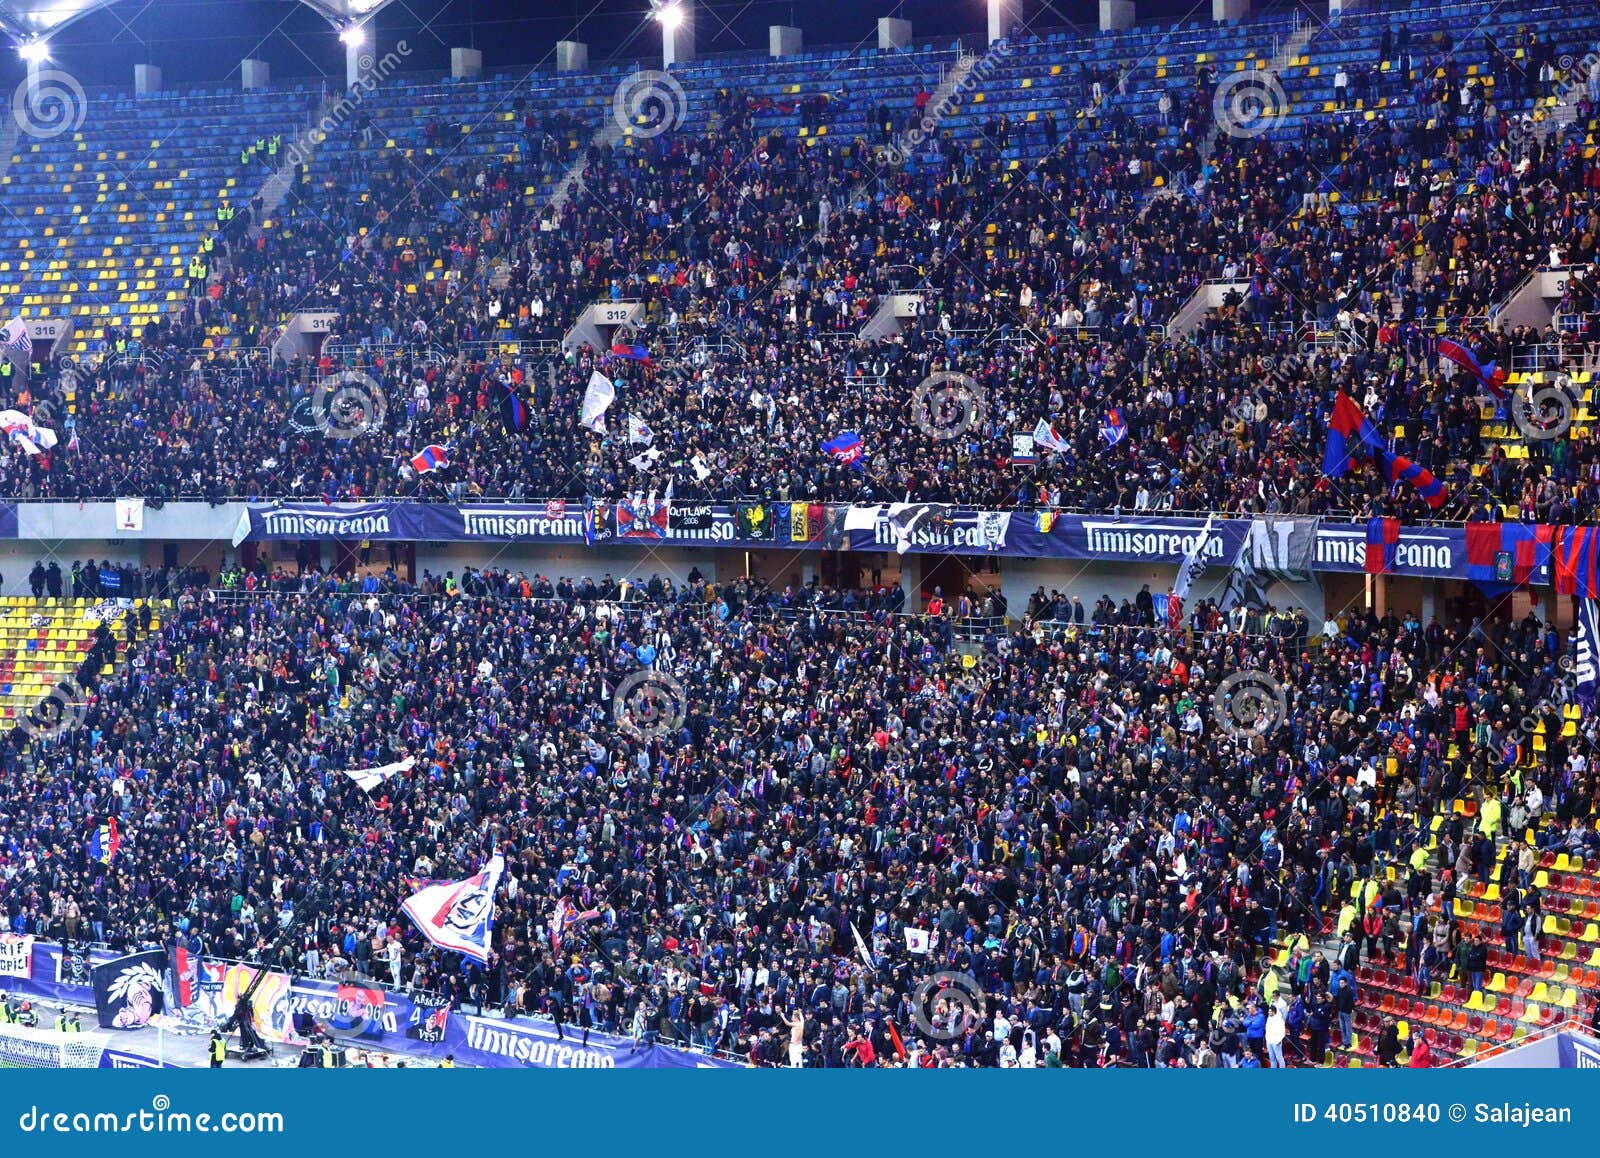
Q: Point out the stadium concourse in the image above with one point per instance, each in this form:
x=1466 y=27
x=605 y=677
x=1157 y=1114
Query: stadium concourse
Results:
x=473 y=805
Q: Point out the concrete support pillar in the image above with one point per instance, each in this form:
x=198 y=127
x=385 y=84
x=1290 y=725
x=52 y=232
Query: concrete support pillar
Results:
x=254 y=74
x=466 y=63
x=572 y=56
x=1004 y=15
x=677 y=33
x=357 y=61
x=1229 y=10
x=893 y=33
x=146 y=79
x=784 y=41
x=1116 y=15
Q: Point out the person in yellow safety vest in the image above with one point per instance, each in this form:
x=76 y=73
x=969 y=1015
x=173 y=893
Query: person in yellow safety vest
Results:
x=6 y=1016
x=1489 y=813
x=449 y=1062
x=75 y=1026
x=217 y=1050
x=61 y=1021
x=327 y=1055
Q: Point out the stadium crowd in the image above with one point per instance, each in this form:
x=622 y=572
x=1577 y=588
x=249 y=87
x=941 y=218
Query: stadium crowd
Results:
x=759 y=258
x=1098 y=837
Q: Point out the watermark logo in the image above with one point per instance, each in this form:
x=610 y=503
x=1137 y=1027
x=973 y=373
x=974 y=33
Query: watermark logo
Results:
x=370 y=74
x=649 y=705
x=1543 y=412
x=348 y=405
x=648 y=103
x=49 y=104
x=1250 y=703
x=946 y=405
x=1248 y=104
x=973 y=72
x=947 y=1004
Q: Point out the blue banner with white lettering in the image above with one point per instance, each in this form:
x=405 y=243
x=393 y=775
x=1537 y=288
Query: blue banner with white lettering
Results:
x=1426 y=552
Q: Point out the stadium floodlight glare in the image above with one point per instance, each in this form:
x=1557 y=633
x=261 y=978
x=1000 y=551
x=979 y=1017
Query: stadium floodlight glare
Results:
x=354 y=36
x=671 y=16
x=34 y=52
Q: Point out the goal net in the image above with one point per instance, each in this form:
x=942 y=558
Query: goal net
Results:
x=49 y=1049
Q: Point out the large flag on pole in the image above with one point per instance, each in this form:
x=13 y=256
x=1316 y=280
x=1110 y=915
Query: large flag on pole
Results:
x=458 y=915
x=565 y=916
x=1586 y=663
x=1193 y=563
x=597 y=399
x=369 y=778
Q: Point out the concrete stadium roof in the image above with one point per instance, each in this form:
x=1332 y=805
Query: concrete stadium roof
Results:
x=27 y=20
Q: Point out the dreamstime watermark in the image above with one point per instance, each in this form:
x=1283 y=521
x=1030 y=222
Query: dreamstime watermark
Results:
x=48 y=104
x=60 y=710
x=649 y=705
x=1249 y=703
x=1248 y=104
x=947 y=404
x=946 y=1004
x=370 y=74
x=648 y=103
x=905 y=144
x=160 y=1118
x=1544 y=411
x=348 y=405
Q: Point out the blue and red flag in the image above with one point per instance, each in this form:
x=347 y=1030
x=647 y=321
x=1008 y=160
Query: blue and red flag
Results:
x=643 y=518
x=847 y=448
x=1488 y=374
x=1114 y=429
x=631 y=353
x=1577 y=562
x=1398 y=468
x=1501 y=556
x=105 y=842
x=431 y=458
x=513 y=410
x=1383 y=541
x=1351 y=435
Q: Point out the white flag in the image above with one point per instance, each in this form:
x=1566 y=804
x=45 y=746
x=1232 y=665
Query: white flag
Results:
x=597 y=399
x=130 y=515
x=639 y=432
x=1193 y=563
x=867 y=958
x=702 y=470
x=369 y=778
x=917 y=940
x=19 y=428
x=861 y=518
x=1045 y=435
x=458 y=915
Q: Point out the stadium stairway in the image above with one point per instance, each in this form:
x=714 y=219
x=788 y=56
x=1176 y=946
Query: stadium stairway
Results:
x=45 y=641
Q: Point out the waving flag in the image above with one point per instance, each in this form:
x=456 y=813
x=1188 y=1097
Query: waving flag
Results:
x=30 y=439
x=597 y=399
x=431 y=458
x=630 y=352
x=639 y=432
x=1045 y=435
x=105 y=842
x=1577 y=561
x=1193 y=564
x=1586 y=657
x=1113 y=429
x=1351 y=435
x=1383 y=541
x=18 y=344
x=1488 y=374
x=847 y=448
x=513 y=410
x=1398 y=468
x=458 y=915
x=868 y=958
x=565 y=916
x=369 y=778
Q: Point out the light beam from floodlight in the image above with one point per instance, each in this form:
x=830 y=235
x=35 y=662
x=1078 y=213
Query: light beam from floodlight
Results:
x=671 y=17
x=34 y=52
x=354 y=36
